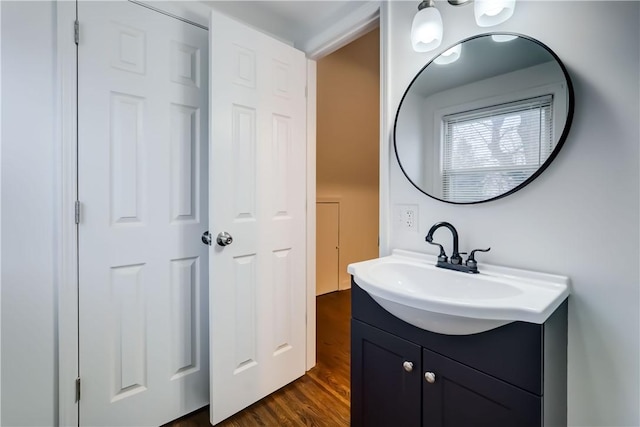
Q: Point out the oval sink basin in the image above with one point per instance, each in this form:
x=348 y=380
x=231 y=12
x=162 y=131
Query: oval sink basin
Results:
x=410 y=286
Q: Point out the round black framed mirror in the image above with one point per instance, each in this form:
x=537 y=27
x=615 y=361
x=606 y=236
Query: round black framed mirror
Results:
x=484 y=118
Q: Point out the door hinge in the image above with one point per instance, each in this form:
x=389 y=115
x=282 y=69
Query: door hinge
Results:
x=78 y=389
x=77 y=212
x=76 y=31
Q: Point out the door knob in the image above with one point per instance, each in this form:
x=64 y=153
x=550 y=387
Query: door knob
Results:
x=224 y=239
x=408 y=366
x=206 y=238
x=430 y=377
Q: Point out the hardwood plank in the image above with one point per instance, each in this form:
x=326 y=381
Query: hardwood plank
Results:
x=320 y=398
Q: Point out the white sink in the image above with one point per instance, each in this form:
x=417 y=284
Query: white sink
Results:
x=410 y=286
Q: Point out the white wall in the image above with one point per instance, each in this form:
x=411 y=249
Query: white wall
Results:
x=581 y=216
x=411 y=130
x=28 y=323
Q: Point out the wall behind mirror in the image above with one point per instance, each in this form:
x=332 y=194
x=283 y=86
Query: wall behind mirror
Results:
x=484 y=118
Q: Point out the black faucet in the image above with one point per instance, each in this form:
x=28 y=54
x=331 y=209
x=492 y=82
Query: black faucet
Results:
x=455 y=262
x=455 y=256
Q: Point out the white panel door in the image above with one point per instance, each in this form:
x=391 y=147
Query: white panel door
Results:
x=327 y=249
x=143 y=290
x=257 y=178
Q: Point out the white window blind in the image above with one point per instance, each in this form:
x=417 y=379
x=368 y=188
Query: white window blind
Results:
x=489 y=151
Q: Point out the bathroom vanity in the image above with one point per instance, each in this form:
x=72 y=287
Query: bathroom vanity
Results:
x=404 y=375
x=514 y=375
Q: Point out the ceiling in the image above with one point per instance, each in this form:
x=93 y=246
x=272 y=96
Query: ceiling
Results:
x=481 y=58
x=292 y=21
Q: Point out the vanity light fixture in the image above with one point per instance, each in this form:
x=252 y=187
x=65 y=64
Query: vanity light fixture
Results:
x=501 y=38
x=493 y=12
x=427 y=28
x=449 y=56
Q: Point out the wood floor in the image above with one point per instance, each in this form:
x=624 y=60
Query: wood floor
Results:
x=319 y=398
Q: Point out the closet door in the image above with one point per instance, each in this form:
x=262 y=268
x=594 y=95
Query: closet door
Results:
x=327 y=246
x=142 y=160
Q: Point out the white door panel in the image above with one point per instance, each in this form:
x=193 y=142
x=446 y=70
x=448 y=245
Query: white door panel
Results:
x=257 y=180
x=143 y=296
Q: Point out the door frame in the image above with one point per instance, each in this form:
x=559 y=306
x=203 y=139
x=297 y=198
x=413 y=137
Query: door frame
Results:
x=361 y=21
x=66 y=245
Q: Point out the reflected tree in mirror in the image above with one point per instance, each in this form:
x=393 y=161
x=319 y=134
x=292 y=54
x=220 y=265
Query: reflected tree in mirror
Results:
x=486 y=124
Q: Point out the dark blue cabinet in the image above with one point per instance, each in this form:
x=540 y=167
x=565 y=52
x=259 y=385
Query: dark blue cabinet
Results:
x=463 y=396
x=511 y=376
x=386 y=390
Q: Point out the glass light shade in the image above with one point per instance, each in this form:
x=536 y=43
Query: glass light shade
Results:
x=493 y=12
x=426 y=30
x=449 y=56
x=501 y=38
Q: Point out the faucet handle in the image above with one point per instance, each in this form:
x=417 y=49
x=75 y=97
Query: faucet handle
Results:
x=456 y=259
x=443 y=255
x=471 y=261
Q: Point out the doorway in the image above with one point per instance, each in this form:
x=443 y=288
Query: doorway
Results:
x=347 y=189
x=347 y=158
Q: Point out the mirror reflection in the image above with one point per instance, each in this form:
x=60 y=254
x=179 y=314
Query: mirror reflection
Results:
x=483 y=119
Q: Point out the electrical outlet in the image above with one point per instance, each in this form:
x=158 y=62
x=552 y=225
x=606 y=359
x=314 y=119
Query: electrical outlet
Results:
x=407 y=217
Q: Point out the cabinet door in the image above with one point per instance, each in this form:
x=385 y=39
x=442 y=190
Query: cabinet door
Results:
x=463 y=396
x=384 y=390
